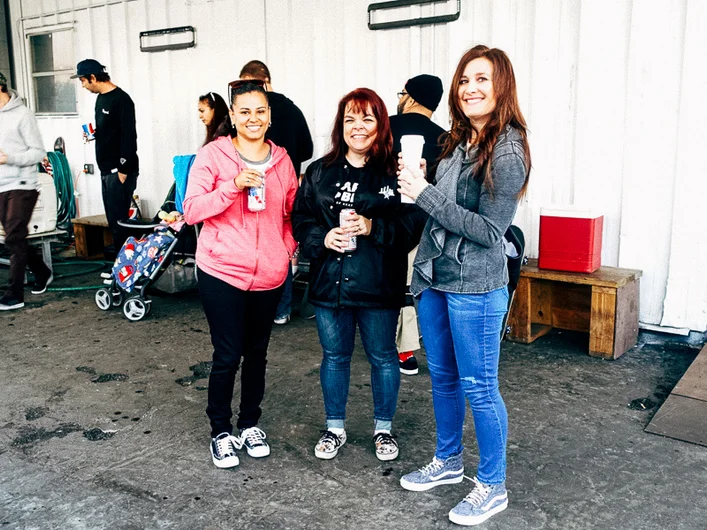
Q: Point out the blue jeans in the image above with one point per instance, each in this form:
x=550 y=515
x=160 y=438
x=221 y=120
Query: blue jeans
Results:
x=337 y=330
x=283 y=307
x=461 y=335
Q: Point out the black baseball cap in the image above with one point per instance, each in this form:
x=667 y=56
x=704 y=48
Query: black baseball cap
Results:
x=88 y=67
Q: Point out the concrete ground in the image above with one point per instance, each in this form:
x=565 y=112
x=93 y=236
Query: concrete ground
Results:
x=102 y=425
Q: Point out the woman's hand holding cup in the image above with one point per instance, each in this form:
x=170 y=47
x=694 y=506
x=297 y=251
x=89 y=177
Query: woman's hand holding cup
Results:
x=411 y=181
x=248 y=178
x=337 y=240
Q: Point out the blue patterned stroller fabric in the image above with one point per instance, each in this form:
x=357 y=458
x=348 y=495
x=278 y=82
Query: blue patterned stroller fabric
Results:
x=140 y=257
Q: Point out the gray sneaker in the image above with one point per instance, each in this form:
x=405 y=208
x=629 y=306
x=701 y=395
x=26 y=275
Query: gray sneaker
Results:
x=436 y=473
x=484 y=501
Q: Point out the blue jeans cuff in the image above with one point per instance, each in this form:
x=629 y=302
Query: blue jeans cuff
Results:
x=335 y=424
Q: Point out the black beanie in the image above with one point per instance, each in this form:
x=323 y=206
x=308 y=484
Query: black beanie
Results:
x=426 y=90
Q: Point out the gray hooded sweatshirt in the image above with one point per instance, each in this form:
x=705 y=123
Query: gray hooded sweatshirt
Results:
x=21 y=142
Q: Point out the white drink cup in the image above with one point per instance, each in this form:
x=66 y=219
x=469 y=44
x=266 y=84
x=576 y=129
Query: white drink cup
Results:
x=411 y=149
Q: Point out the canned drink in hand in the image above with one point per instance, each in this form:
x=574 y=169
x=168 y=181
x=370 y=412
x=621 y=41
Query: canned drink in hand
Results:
x=345 y=221
x=88 y=131
x=256 y=197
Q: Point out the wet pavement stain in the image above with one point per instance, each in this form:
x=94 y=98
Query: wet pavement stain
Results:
x=199 y=371
x=86 y=369
x=121 y=487
x=95 y=435
x=30 y=435
x=34 y=413
x=642 y=404
x=105 y=378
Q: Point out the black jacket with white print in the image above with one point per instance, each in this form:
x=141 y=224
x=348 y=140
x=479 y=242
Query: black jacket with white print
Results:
x=373 y=275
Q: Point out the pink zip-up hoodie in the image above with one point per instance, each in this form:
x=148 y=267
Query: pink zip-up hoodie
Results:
x=249 y=250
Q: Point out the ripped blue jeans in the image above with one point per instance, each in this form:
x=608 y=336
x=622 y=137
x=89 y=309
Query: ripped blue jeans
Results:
x=461 y=334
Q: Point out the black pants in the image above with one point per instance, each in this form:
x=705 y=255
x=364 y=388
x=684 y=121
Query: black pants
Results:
x=116 y=201
x=240 y=324
x=16 y=208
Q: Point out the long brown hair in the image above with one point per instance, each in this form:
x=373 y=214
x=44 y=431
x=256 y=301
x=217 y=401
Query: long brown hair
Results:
x=506 y=112
x=380 y=154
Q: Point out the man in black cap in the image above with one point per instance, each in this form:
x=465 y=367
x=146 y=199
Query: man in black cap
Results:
x=418 y=100
x=116 y=144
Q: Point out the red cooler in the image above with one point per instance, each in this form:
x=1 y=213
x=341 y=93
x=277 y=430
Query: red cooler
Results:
x=570 y=239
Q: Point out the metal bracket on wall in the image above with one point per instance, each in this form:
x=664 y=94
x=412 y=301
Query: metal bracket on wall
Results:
x=420 y=21
x=159 y=40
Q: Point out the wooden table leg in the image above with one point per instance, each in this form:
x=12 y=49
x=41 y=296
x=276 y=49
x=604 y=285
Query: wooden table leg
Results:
x=519 y=317
x=602 y=322
x=80 y=241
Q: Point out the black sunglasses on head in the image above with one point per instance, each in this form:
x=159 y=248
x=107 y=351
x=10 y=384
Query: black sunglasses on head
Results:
x=238 y=83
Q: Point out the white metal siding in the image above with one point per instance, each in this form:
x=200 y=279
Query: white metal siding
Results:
x=612 y=89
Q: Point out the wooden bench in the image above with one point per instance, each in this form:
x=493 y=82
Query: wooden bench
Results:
x=92 y=235
x=603 y=303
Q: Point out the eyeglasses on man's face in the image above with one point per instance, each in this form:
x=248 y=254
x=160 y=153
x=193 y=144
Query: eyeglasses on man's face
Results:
x=401 y=94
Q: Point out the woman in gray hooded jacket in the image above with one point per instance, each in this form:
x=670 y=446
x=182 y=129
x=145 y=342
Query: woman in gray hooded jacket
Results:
x=460 y=275
x=20 y=150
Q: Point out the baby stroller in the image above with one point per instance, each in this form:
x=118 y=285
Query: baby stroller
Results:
x=151 y=260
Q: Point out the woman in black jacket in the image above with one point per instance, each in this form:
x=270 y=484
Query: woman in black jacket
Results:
x=365 y=286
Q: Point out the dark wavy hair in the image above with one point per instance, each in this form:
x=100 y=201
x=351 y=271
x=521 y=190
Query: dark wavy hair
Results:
x=380 y=155
x=216 y=127
x=245 y=88
x=507 y=112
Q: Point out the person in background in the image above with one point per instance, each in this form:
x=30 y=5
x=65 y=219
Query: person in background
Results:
x=460 y=274
x=365 y=286
x=242 y=259
x=21 y=149
x=213 y=113
x=416 y=104
x=116 y=144
x=289 y=130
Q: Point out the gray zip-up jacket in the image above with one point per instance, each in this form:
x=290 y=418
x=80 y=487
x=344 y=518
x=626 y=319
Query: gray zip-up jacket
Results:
x=21 y=142
x=461 y=250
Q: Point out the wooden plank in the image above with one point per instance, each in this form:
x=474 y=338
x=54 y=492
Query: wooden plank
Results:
x=519 y=318
x=682 y=418
x=603 y=318
x=626 y=325
x=572 y=307
x=91 y=236
x=538 y=330
x=541 y=302
x=694 y=383
x=91 y=220
x=604 y=277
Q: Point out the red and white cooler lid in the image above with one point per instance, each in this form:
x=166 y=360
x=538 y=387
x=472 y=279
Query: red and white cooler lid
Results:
x=569 y=210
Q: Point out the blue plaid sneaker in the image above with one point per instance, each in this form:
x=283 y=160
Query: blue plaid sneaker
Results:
x=484 y=501
x=436 y=473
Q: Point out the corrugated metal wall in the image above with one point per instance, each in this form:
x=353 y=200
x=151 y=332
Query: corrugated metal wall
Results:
x=612 y=90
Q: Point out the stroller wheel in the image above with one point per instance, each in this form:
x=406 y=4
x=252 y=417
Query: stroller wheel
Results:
x=103 y=299
x=135 y=309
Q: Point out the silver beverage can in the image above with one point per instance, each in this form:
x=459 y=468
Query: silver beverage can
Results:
x=344 y=221
x=256 y=198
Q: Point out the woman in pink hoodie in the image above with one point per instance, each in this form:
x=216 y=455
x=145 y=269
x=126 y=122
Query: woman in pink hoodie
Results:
x=242 y=256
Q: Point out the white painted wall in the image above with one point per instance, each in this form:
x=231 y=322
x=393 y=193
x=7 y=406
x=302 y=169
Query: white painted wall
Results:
x=612 y=90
